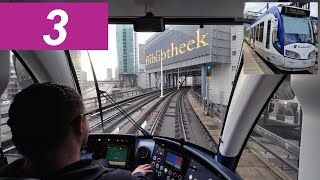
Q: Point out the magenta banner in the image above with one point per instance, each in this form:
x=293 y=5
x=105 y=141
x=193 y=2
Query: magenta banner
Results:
x=54 y=26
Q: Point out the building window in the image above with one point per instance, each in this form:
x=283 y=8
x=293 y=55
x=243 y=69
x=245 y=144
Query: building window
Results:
x=234 y=68
x=234 y=37
x=234 y=53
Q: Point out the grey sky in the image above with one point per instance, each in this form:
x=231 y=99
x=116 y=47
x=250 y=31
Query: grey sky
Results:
x=103 y=59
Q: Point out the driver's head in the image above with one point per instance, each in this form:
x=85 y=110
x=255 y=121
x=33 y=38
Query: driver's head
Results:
x=45 y=117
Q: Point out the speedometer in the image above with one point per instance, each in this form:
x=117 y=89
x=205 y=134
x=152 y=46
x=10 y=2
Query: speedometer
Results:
x=143 y=152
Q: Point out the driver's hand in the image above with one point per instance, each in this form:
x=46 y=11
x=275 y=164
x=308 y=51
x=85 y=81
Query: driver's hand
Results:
x=144 y=169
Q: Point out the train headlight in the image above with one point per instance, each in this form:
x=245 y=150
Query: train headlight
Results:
x=312 y=54
x=292 y=54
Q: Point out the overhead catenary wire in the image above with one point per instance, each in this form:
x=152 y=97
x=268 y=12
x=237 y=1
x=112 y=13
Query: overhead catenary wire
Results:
x=114 y=103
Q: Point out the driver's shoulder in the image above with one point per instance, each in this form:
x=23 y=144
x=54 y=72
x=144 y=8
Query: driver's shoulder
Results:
x=14 y=169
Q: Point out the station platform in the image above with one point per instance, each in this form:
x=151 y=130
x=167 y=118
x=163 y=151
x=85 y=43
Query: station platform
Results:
x=253 y=64
x=251 y=165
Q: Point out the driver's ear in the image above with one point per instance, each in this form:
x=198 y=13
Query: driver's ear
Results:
x=77 y=124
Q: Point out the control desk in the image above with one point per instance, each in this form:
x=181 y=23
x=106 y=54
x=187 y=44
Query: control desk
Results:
x=172 y=159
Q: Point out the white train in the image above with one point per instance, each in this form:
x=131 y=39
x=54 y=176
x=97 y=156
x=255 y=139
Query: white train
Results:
x=284 y=37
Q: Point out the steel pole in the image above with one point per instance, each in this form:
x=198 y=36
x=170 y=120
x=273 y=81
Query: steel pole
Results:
x=161 y=85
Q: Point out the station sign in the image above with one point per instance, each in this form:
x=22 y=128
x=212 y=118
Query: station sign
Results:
x=54 y=26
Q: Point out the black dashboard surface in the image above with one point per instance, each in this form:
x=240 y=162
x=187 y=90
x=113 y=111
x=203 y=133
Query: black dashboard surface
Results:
x=172 y=159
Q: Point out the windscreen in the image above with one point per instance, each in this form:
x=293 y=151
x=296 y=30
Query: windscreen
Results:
x=297 y=30
x=129 y=71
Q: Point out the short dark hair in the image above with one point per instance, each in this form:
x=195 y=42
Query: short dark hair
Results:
x=40 y=117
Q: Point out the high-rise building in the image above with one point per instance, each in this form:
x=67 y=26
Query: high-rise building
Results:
x=127 y=59
x=117 y=73
x=76 y=59
x=142 y=54
x=13 y=85
x=23 y=76
x=81 y=75
x=82 y=78
x=109 y=73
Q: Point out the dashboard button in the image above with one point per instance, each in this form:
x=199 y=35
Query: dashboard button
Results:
x=165 y=170
x=179 y=177
x=158 y=160
x=168 y=177
x=157 y=165
x=170 y=172
x=161 y=168
x=159 y=173
x=174 y=174
x=154 y=158
x=153 y=163
x=190 y=176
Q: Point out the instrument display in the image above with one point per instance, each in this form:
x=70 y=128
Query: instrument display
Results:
x=173 y=160
x=117 y=155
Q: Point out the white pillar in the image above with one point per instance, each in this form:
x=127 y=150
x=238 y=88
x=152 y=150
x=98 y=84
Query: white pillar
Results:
x=161 y=78
x=178 y=80
x=306 y=88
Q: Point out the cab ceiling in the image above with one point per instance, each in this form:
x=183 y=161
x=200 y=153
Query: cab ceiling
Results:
x=124 y=11
x=177 y=8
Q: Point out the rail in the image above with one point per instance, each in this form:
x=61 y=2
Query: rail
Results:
x=141 y=102
x=94 y=100
x=179 y=106
x=277 y=140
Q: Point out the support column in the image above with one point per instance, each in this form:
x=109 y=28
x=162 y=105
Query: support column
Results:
x=203 y=81
x=309 y=99
x=173 y=81
x=149 y=76
x=156 y=78
x=178 y=77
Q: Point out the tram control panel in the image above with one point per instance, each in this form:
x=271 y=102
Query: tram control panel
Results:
x=171 y=160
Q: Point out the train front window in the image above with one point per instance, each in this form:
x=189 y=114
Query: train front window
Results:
x=129 y=71
x=297 y=30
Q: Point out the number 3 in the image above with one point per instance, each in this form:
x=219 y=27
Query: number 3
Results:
x=58 y=26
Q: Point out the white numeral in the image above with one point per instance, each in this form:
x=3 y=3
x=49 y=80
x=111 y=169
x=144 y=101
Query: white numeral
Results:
x=58 y=26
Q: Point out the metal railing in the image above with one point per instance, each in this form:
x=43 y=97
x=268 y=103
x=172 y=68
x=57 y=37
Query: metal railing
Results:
x=92 y=102
x=212 y=109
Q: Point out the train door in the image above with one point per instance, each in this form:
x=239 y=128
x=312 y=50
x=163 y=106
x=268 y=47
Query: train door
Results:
x=268 y=35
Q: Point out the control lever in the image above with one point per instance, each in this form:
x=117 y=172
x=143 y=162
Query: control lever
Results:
x=153 y=175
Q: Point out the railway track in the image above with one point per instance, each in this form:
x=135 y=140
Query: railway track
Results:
x=177 y=119
x=114 y=117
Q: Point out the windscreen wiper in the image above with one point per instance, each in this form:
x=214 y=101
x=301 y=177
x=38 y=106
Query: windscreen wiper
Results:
x=115 y=104
x=112 y=101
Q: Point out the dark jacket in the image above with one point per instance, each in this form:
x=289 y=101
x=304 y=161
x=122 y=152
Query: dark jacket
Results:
x=86 y=169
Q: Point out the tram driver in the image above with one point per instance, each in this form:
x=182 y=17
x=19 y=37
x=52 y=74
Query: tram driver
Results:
x=49 y=126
